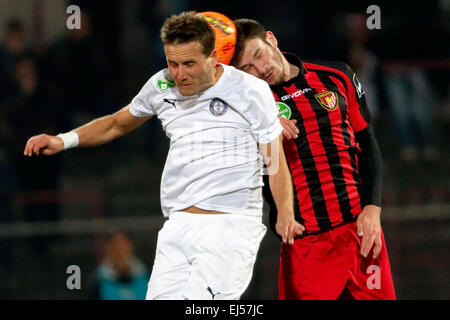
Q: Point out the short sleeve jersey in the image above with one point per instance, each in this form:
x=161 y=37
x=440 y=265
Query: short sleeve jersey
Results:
x=214 y=162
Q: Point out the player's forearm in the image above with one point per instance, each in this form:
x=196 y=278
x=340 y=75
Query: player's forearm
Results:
x=99 y=131
x=280 y=182
x=370 y=167
x=281 y=188
x=108 y=128
x=103 y=130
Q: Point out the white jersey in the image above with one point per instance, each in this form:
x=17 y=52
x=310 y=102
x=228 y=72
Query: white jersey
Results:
x=214 y=162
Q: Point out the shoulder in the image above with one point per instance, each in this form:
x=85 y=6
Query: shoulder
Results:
x=158 y=86
x=242 y=79
x=160 y=82
x=244 y=86
x=338 y=67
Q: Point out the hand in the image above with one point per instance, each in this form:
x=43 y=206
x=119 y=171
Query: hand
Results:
x=287 y=227
x=43 y=144
x=290 y=130
x=368 y=227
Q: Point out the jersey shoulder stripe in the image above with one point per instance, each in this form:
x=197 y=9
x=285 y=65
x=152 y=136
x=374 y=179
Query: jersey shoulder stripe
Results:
x=343 y=73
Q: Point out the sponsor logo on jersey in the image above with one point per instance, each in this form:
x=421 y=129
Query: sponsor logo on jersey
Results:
x=296 y=94
x=213 y=295
x=165 y=84
x=327 y=99
x=171 y=101
x=284 y=110
x=218 y=107
x=358 y=86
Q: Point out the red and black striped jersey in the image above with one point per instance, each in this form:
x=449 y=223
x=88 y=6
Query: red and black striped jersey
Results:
x=329 y=105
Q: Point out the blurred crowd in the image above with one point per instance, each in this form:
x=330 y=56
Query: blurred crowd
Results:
x=49 y=91
x=408 y=93
x=57 y=86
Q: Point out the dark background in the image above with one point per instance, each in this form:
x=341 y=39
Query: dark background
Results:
x=58 y=211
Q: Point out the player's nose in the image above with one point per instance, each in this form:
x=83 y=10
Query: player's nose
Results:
x=181 y=74
x=260 y=69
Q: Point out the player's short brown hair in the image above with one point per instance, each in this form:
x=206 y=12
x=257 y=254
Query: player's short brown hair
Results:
x=246 y=29
x=186 y=27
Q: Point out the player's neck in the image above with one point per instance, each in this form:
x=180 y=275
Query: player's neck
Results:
x=218 y=72
x=290 y=70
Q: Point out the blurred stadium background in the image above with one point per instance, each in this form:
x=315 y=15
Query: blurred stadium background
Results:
x=59 y=211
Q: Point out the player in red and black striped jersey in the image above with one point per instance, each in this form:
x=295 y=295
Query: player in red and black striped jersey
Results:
x=328 y=110
x=335 y=165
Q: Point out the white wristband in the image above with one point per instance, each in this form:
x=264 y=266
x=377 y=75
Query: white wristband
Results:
x=70 y=139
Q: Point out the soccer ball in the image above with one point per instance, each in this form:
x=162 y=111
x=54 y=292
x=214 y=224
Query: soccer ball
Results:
x=225 y=31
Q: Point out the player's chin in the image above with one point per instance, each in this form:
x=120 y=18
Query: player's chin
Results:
x=187 y=90
x=273 y=80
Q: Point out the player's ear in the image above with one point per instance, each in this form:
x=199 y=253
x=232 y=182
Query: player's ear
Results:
x=213 y=57
x=270 y=37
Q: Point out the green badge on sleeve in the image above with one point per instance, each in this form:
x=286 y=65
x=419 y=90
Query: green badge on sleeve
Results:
x=165 y=84
x=283 y=110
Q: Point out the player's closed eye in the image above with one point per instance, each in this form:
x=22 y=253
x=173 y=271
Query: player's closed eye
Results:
x=250 y=71
x=246 y=68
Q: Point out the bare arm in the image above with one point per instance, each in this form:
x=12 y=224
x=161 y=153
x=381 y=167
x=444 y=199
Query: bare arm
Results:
x=108 y=128
x=99 y=131
x=281 y=187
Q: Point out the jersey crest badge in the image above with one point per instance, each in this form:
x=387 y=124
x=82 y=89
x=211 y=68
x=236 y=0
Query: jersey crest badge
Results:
x=327 y=99
x=218 y=107
x=284 y=110
x=165 y=84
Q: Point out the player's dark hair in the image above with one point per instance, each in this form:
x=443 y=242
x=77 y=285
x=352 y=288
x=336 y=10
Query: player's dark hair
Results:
x=246 y=29
x=186 y=27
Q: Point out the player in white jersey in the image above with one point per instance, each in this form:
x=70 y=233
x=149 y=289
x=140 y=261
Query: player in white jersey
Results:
x=215 y=117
